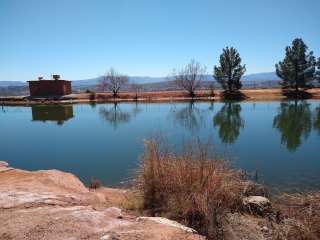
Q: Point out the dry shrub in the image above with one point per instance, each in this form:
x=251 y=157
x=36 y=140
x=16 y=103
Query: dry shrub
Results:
x=302 y=216
x=192 y=188
x=95 y=184
x=133 y=201
x=92 y=96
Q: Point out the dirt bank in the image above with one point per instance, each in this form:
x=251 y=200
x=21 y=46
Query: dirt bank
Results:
x=161 y=96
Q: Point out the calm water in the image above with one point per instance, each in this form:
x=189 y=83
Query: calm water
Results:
x=279 y=140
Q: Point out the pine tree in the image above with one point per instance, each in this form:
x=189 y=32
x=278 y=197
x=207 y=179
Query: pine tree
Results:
x=317 y=71
x=295 y=68
x=230 y=71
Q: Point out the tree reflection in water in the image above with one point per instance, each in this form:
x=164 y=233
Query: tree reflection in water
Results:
x=316 y=119
x=136 y=110
x=229 y=122
x=293 y=121
x=116 y=116
x=189 y=117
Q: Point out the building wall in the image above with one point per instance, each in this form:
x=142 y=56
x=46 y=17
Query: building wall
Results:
x=50 y=88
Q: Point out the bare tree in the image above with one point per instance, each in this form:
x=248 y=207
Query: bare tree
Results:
x=189 y=78
x=136 y=88
x=113 y=81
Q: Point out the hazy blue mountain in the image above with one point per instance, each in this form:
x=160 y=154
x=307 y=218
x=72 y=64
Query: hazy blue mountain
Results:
x=266 y=76
x=12 y=83
x=134 y=79
x=257 y=77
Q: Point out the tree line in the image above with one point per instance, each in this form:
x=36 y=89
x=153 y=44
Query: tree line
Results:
x=297 y=71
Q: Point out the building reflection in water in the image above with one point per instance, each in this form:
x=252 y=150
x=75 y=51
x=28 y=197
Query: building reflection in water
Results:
x=53 y=113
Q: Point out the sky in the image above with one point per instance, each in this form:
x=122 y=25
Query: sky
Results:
x=81 y=39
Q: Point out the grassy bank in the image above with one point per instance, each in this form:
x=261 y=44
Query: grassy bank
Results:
x=202 y=191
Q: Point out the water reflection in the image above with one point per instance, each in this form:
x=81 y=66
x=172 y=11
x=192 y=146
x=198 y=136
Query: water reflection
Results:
x=117 y=116
x=55 y=113
x=92 y=104
x=316 y=119
x=190 y=117
x=293 y=121
x=229 y=122
x=266 y=123
x=136 y=110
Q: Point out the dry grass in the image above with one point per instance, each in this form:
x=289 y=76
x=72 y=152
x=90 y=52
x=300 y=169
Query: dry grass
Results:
x=271 y=93
x=133 y=201
x=95 y=184
x=192 y=188
x=302 y=216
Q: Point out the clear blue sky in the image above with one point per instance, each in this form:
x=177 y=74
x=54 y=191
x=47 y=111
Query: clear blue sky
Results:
x=80 y=39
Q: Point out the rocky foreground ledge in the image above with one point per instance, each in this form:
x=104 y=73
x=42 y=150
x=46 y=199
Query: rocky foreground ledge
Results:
x=56 y=205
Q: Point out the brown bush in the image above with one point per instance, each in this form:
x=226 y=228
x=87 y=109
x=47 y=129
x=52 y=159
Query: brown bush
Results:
x=193 y=187
x=95 y=184
x=302 y=216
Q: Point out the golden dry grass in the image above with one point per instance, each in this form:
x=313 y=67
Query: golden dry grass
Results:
x=192 y=187
x=249 y=94
x=301 y=216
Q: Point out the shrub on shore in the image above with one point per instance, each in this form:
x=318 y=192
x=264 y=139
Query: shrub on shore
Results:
x=192 y=187
x=302 y=216
x=95 y=184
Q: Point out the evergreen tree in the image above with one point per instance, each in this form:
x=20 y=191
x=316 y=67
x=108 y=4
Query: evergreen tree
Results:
x=296 y=69
x=230 y=71
x=317 y=71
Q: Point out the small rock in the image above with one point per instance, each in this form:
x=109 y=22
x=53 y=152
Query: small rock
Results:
x=259 y=200
x=110 y=236
x=105 y=237
x=114 y=212
x=3 y=164
x=257 y=205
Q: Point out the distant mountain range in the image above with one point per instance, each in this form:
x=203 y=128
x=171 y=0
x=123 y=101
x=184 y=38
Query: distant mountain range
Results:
x=258 y=80
x=12 y=83
x=257 y=77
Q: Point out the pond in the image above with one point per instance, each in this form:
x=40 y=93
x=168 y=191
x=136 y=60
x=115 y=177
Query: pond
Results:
x=276 y=141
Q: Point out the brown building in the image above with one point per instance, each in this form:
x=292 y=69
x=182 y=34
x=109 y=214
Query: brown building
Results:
x=44 y=88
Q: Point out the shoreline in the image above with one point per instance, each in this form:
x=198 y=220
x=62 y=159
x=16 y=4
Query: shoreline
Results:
x=57 y=205
x=52 y=204
x=151 y=97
